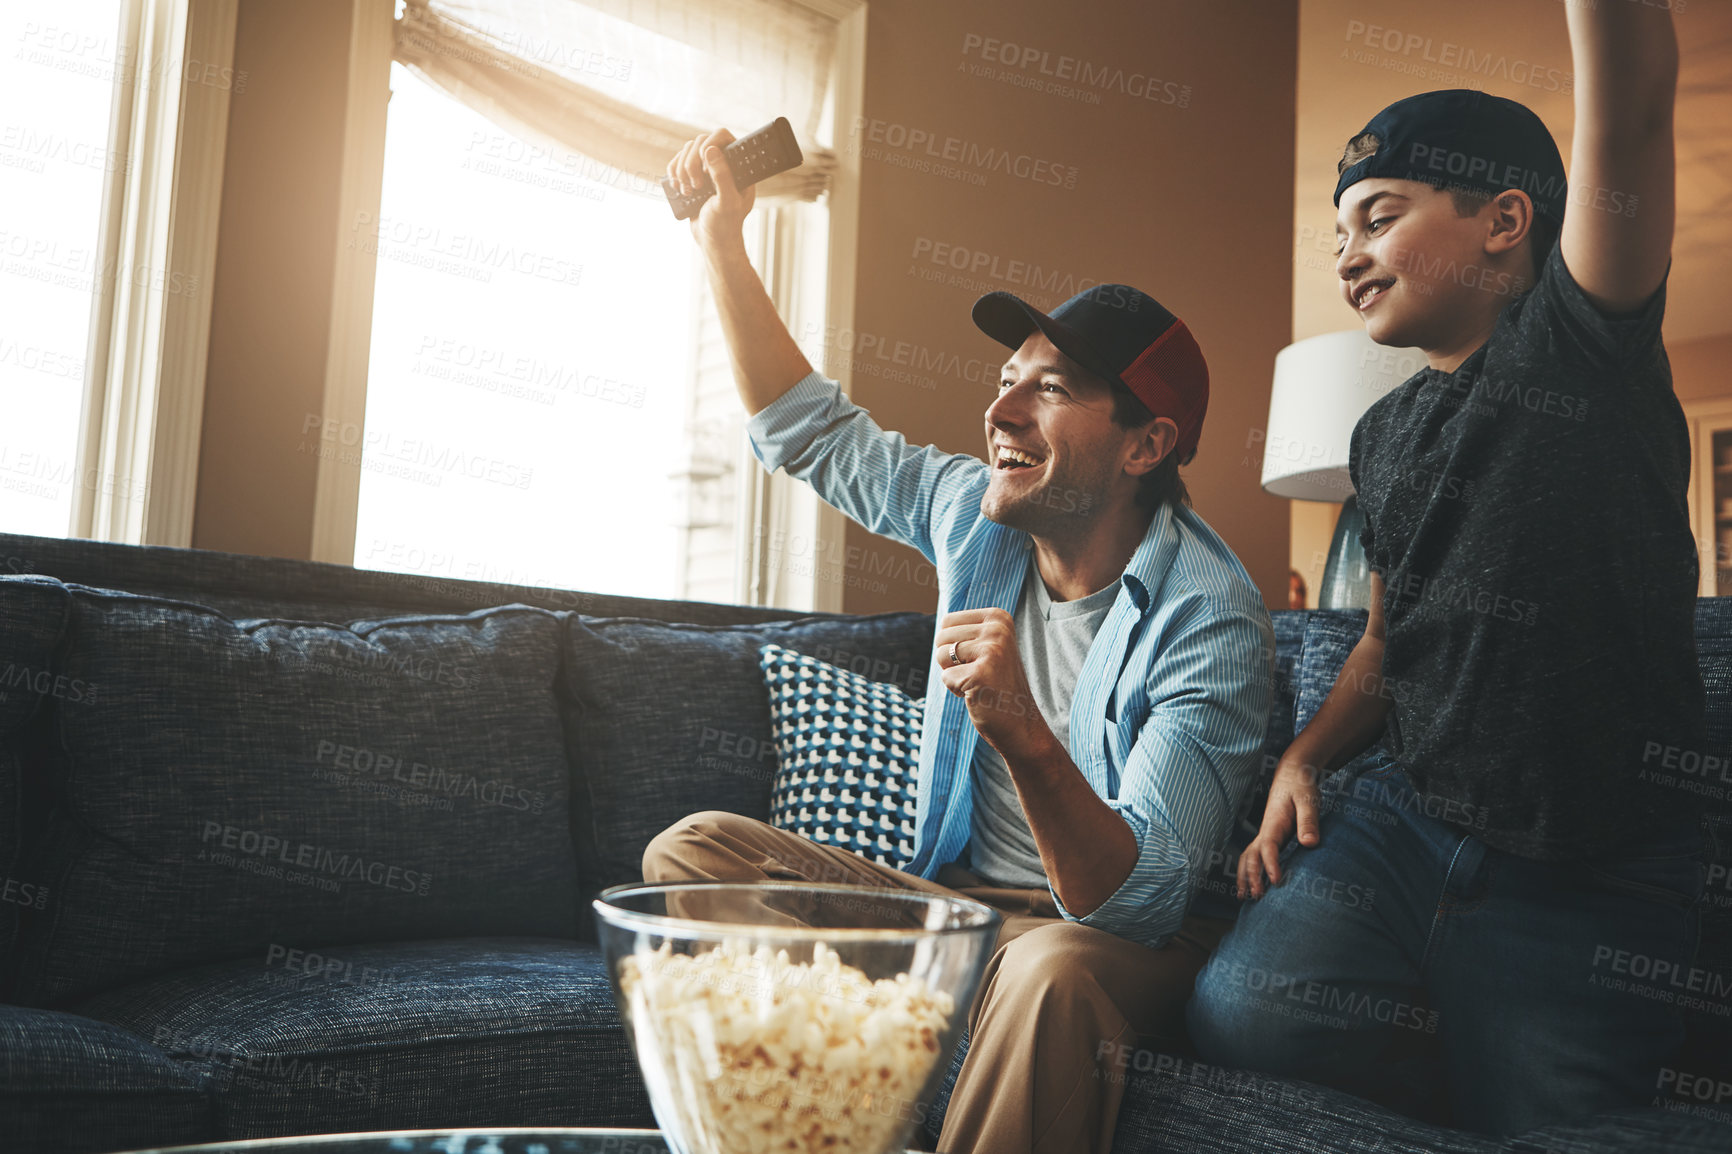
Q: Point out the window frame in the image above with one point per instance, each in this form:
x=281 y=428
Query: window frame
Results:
x=763 y=501
x=143 y=406
x=337 y=489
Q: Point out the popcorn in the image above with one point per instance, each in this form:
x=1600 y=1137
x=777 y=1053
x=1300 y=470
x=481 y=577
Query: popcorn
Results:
x=758 y=1053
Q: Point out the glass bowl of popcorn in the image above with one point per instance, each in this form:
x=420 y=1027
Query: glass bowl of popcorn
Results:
x=792 y=1016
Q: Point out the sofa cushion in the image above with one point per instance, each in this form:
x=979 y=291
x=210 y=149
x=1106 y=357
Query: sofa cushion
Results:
x=69 y=1084
x=1217 y=895
x=1177 y=1104
x=400 y=1035
x=242 y=783
x=848 y=756
x=1173 y=1103
x=1671 y=1130
x=1180 y=1105
x=665 y=719
x=32 y=615
x=1714 y=656
x=1710 y=1018
x=1330 y=635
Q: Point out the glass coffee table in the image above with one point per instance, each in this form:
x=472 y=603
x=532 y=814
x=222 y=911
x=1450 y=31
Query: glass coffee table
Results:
x=492 y=1140
x=496 y=1140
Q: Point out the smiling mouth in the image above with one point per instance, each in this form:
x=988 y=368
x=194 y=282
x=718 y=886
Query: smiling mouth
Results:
x=1011 y=459
x=1370 y=293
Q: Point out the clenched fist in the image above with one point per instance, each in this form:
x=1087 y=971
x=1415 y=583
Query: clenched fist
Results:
x=979 y=662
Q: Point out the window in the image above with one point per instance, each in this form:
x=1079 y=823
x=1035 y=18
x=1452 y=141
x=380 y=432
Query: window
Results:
x=533 y=338
x=547 y=397
x=111 y=160
x=56 y=91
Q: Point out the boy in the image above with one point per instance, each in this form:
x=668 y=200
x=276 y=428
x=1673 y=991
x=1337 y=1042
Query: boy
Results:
x=1525 y=646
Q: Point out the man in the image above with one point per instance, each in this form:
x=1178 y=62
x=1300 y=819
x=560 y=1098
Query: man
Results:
x=1100 y=688
x=1529 y=646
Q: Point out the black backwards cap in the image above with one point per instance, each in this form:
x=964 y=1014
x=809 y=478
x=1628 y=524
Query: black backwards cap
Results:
x=1459 y=138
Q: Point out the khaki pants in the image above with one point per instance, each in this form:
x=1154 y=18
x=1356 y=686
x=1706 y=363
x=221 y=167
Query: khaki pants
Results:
x=1060 y=1011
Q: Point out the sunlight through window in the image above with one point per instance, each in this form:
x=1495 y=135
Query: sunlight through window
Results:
x=56 y=89
x=532 y=351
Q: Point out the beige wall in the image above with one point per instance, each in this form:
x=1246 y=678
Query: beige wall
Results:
x=1160 y=201
x=1701 y=370
x=272 y=299
x=1138 y=213
x=1355 y=58
x=1191 y=204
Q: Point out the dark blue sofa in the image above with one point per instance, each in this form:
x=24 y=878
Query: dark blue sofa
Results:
x=292 y=848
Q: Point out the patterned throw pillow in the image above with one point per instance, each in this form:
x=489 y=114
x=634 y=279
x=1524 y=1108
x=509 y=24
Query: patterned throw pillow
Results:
x=849 y=754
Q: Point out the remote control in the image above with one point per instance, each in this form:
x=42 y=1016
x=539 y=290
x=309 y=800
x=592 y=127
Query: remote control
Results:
x=754 y=156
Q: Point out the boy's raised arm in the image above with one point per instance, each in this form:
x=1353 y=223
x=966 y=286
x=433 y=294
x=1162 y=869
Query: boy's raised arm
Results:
x=1617 y=233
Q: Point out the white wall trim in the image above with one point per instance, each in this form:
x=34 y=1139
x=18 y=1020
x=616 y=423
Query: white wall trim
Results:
x=829 y=524
x=150 y=316
x=837 y=10
x=337 y=498
x=790 y=546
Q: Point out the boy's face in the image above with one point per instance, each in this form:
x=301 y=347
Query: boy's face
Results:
x=1410 y=265
x=1055 y=453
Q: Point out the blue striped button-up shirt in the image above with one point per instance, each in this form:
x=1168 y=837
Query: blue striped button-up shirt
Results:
x=1170 y=707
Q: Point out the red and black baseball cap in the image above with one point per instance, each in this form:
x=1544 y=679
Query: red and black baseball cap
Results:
x=1119 y=334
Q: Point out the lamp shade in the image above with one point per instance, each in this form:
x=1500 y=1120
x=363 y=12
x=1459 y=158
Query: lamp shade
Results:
x=1322 y=385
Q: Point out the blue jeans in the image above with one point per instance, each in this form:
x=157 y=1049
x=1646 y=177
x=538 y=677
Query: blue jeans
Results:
x=1407 y=962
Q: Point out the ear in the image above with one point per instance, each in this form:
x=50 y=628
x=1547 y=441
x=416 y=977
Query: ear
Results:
x=1510 y=219
x=1155 y=440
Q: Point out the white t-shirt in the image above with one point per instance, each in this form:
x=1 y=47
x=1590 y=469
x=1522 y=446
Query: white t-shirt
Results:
x=1053 y=638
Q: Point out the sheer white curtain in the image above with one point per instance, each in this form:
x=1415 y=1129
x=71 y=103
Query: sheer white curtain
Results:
x=626 y=82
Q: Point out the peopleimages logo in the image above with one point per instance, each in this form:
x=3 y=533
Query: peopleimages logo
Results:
x=1385 y=795
x=28 y=894
x=46 y=683
x=275 y=1070
x=1459 y=594
x=443 y=783
x=1693 y=1087
x=1219 y=870
x=269 y=852
x=967 y=154
x=1688 y=761
x=39 y=148
x=1662 y=979
x=492 y=364
x=1309 y=999
x=1466 y=166
x=310 y=965
x=1038 y=62
x=382 y=447
x=895 y=359
x=1456 y=64
x=986 y=270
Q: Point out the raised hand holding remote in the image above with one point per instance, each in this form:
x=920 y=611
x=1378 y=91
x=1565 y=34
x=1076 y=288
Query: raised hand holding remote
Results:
x=702 y=165
x=758 y=155
x=766 y=360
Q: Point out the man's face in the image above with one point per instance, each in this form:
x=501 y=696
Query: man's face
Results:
x=1410 y=265
x=1057 y=457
